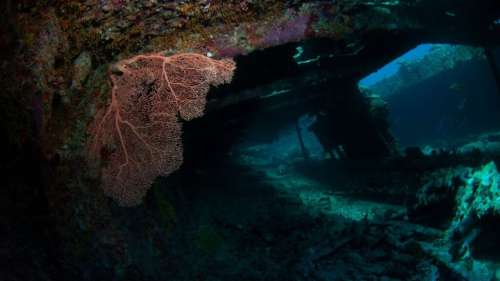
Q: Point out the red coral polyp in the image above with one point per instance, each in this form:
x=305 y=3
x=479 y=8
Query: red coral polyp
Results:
x=137 y=137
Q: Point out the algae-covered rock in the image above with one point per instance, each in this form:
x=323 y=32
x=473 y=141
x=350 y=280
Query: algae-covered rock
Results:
x=466 y=201
x=479 y=195
x=464 y=194
x=81 y=69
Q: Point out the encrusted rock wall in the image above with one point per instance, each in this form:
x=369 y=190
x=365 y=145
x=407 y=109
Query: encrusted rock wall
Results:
x=61 y=45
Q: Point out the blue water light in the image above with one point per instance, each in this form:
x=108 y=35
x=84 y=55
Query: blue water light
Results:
x=392 y=68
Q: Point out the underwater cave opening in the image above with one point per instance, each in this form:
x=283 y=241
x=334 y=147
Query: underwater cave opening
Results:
x=293 y=125
x=276 y=104
x=438 y=96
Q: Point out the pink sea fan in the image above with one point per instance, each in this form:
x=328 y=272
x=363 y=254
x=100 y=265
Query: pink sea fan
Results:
x=137 y=136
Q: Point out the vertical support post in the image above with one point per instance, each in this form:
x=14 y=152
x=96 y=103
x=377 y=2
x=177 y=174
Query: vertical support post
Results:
x=303 y=148
x=490 y=56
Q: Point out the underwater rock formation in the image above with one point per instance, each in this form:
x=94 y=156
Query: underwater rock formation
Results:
x=474 y=193
x=464 y=203
x=479 y=195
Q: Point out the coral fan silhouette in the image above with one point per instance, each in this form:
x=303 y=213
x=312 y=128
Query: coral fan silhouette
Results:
x=137 y=136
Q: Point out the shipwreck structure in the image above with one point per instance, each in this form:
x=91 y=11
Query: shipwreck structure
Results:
x=64 y=63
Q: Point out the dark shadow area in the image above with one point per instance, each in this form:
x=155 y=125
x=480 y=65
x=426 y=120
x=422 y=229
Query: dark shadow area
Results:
x=230 y=224
x=439 y=213
x=486 y=246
